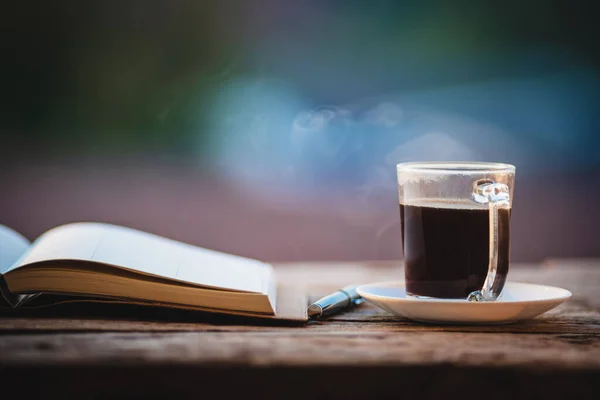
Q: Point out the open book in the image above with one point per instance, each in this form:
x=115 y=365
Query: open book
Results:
x=101 y=261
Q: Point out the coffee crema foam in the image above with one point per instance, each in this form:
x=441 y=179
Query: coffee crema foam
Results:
x=451 y=204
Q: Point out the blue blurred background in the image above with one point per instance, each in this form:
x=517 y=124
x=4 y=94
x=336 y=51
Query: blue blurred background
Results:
x=271 y=129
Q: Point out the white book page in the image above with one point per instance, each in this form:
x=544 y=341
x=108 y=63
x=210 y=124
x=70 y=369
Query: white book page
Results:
x=149 y=254
x=12 y=246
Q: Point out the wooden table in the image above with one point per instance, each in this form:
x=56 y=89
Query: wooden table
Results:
x=363 y=353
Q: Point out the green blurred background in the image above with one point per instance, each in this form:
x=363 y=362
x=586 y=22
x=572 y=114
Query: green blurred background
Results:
x=272 y=129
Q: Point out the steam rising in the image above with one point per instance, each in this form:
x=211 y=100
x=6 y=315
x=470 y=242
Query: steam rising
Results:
x=436 y=146
x=386 y=114
x=269 y=140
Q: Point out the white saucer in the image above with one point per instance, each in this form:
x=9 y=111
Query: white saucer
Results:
x=518 y=301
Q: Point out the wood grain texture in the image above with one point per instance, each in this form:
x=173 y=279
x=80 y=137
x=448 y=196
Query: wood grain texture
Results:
x=568 y=318
x=554 y=355
x=307 y=348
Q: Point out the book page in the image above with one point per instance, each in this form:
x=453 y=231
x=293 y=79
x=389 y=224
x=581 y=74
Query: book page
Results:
x=149 y=254
x=12 y=246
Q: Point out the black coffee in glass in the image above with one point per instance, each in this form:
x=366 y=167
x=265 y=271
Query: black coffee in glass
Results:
x=446 y=247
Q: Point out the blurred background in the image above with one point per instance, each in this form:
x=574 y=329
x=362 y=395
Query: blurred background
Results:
x=272 y=129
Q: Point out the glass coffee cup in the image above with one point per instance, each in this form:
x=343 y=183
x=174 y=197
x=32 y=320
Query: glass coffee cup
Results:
x=455 y=219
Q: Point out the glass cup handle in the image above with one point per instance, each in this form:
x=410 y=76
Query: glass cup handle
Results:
x=496 y=196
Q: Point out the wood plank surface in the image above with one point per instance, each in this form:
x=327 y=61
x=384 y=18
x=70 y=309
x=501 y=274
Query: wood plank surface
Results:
x=308 y=348
x=556 y=354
